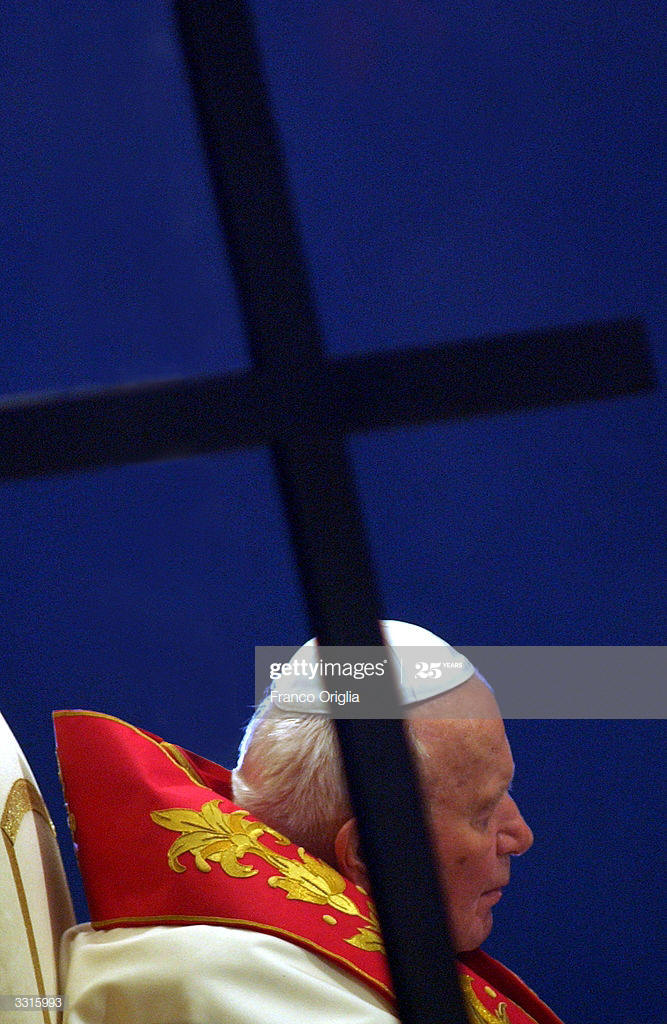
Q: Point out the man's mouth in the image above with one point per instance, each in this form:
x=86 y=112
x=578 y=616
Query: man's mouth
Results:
x=496 y=892
x=502 y=884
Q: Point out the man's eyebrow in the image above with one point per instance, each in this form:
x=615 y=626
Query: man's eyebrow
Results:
x=497 y=795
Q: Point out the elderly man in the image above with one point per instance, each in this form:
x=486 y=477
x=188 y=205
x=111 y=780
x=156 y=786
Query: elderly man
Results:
x=278 y=934
x=289 y=775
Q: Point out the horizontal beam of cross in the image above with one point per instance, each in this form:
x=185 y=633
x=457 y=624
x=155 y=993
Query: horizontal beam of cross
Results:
x=304 y=405
x=169 y=419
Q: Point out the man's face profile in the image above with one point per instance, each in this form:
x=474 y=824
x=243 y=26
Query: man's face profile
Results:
x=466 y=771
x=476 y=825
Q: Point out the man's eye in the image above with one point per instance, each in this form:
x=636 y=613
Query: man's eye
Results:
x=483 y=823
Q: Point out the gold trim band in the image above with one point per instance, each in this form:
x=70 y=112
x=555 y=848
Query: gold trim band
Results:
x=24 y=797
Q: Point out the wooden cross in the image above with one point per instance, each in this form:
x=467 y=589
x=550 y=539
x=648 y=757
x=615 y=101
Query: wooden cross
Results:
x=304 y=405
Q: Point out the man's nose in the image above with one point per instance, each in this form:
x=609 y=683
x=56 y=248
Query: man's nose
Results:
x=514 y=835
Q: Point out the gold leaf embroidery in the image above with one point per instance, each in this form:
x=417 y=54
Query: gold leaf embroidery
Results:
x=311 y=880
x=368 y=939
x=226 y=838
x=210 y=834
x=479 y=1014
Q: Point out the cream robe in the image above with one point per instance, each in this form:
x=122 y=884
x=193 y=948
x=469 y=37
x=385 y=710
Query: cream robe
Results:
x=200 y=974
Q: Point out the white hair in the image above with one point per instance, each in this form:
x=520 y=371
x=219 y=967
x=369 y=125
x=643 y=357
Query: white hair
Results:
x=290 y=776
x=290 y=773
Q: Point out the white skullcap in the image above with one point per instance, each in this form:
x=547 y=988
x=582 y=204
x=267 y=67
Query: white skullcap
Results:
x=453 y=667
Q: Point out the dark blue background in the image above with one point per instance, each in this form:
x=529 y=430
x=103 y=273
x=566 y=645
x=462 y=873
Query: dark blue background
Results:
x=458 y=169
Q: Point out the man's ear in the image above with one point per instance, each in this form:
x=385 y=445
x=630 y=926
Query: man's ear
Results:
x=348 y=854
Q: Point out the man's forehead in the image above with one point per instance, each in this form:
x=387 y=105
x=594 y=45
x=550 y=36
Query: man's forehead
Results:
x=466 y=754
x=464 y=739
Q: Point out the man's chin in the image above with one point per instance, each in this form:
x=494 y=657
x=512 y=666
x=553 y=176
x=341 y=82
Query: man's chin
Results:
x=475 y=935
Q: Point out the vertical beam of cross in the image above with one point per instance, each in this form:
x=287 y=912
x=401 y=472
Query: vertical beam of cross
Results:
x=304 y=405
x=318 y=489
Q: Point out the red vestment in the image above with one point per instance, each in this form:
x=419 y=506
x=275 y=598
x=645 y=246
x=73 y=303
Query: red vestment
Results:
x=159 y=841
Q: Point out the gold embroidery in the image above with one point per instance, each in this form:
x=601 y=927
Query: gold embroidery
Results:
x=23 y=797
x=210 y=834
x=213 y=835
x=369 y=937
x=313 y=881
x=328 y=919
x=477 y=1011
